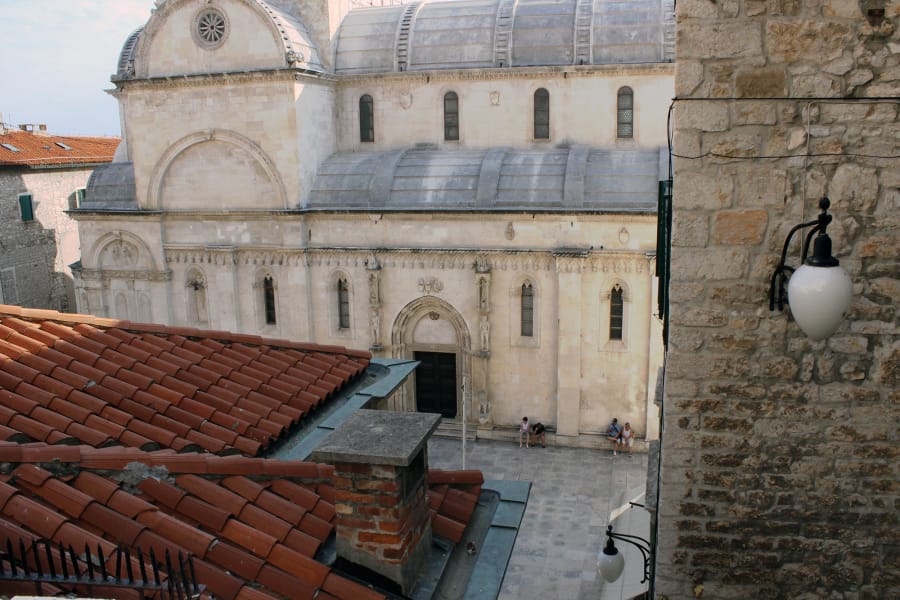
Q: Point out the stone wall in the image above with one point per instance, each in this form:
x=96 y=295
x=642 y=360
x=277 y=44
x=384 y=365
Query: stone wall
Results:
x=35 y=256
x=780 y=470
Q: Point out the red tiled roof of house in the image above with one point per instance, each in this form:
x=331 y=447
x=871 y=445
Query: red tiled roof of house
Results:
x=38 y=149
x=103 y=427
x=251 y=534
x=80 y=379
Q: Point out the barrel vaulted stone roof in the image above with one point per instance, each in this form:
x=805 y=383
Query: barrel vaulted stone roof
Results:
x=574 y=178
x=464 y=34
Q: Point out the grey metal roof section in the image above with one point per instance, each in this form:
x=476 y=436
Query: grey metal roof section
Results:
x=574 y=178
x=111 y=187
x=467 y=34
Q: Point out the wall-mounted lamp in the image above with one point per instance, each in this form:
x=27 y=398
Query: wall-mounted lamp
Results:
x=819 y=291
x=611 y=560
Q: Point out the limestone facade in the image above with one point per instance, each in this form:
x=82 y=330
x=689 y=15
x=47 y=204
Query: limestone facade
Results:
x=234 y=219
x=779 y=455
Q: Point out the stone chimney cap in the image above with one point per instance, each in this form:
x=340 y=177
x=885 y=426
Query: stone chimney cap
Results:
x=378 y=437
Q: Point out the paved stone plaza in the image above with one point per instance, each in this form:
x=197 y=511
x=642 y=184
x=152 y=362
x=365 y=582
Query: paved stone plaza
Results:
x=573 y=493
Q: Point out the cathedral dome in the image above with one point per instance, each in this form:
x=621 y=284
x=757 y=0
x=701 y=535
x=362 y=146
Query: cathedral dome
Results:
x=466 y=34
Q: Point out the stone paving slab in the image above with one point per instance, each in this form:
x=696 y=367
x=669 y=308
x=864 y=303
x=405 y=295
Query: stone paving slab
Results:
x=573 y=493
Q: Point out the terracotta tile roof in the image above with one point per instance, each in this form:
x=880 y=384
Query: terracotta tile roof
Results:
x=452 y=497
x=80 y=379
x=244 y=530
x=39 y=149
x=114 y=433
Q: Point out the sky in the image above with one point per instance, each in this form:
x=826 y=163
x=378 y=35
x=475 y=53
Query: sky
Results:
x=56 y=59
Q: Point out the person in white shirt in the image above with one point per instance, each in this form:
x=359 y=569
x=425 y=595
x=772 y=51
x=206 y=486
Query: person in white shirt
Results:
x=626 y=438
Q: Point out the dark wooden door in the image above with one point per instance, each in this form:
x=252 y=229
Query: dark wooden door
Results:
x=436 y=383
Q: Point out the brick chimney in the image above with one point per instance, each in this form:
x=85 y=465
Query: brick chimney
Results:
x=380 y=467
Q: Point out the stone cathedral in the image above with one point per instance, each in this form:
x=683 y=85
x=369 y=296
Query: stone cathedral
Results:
x=471 y=184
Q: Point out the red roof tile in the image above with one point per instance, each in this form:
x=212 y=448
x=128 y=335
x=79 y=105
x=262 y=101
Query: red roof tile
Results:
x=41 y=149
x=107 y=382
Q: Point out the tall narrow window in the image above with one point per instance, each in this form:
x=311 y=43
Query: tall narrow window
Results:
x=269 y=299
x=616 y=311
x=343 y=294
x=542 y=114
x=366 y=119
x=625 y=105
x=26 y=207
x=451 y=116
x=527 y=310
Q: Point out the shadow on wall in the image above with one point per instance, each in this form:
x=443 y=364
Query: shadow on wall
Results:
x=28 y=253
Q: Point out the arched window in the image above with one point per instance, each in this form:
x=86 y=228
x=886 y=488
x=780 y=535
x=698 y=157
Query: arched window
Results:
x=269 y=299
x=366 y=119
x=451 y=116
x=616 y=313
x=625 y=112
x=542 y=114
x=527 y=310
x=343 y=299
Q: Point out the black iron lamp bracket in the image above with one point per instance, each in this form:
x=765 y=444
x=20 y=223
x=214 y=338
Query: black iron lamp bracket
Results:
x=821 y=254
x=636 y=541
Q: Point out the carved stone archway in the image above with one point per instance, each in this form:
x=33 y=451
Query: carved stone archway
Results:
x=451 y=335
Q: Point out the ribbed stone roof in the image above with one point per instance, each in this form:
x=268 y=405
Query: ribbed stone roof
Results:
x=111 y=187
x=459 y=34
x=575 y=178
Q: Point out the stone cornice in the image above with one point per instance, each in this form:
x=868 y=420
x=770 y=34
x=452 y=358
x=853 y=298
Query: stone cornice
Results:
x=423 y=77
x=492 y=74
x=139 y=275
x=606 y=261
x=225 y=78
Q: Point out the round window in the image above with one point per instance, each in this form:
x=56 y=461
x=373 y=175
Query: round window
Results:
x=210 y=28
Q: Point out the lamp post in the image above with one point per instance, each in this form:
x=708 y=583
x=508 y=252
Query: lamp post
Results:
x=611 y=560
x=819 y=291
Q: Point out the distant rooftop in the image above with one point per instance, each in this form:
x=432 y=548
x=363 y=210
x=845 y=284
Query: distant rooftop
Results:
x=30 y=145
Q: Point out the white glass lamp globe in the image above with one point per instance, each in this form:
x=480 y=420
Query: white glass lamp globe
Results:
x=611 y=564
x=819 y=298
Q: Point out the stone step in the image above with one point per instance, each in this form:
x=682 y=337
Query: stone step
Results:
x=453 y=429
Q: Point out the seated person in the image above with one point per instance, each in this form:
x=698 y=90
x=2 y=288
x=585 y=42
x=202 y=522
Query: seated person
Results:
x=537 y=433
x=626 y=437
x=613 y=434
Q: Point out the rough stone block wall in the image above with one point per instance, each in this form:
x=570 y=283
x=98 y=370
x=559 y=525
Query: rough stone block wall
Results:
x=780 y=455
x=37 y=254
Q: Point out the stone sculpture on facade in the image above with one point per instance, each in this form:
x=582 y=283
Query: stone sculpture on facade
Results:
x=485 y=330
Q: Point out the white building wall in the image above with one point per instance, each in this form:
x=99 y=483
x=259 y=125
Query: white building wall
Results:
x=497 y=107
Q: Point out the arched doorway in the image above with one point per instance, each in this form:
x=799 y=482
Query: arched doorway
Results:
x=430 y=330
